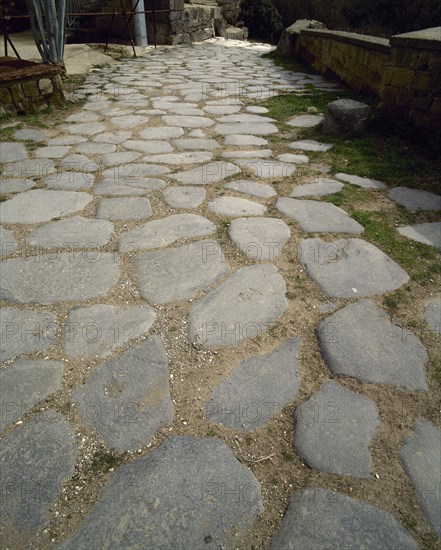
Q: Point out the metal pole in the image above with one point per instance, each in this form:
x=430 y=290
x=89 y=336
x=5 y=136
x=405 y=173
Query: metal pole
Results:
x=140 y=24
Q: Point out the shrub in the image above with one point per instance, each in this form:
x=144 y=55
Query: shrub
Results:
x=262 y=19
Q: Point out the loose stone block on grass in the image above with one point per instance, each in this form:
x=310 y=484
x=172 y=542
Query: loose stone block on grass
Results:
x=320 y=188
x=348 y=268
x=319 y=519
x=184 y=197
x=127 y=400
x=179 y=273
x=334 y=429
x=41 y=205
x=74 y=232
x=124 y=209
x=420 y=455
x=260 y=239
x=74 y=276
x=318 y=217
x=234 y=206
x=100 y=329
x=426 y=233
x=36 y=459
x=257 y=389
x=415 y=200
x=24 y=384
x=180 y=495
x=246 y=304
x=360 y=341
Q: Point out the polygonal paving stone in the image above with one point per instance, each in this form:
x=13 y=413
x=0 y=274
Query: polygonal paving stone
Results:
x=334 y=429
x=267 y=169
x=8 y=244
x=250 y=187
x=83 y=116
x=244 y=140
x=245 y=305
x=66 y=277
x=180 y=495
x=125 y=157
x=127 y=400
x=162 y=132
x=30 y=168
x=294 y=158
x=113 y=137
x=124 y=209
x=25 y=331
x=318 y=217
x=245 y=118
x=197 y=133
x=249 y=128
x=79 y=163
x=152 y=147
x=310 y=145
x=187 y=121
x=15 y=185
x=366 y=183
x=320 y=188
x=234 y=206
x=52 y=151
x=415 y=200
x=195 y=144
x=257 y=389
x=30 y=134
x=207 y=173
x=95 y=148
x=85 y=129
x=129 y=121
x=257 y=109
x=259 y=238
x=433 y=315
x=99 y=330
x=165 y=231
x=254 y=154
x=131 y=174
x=36 y=459
x=179 y=273
x=360 y=341
x=74 y=232
x=347 y=268
x=69 y=181
x=305 y=121
x=41 y=205
x=184 y=197
x=427 y=233
x=24 y=384
x=12 y=152
x=67 y=140
x=222 y=109
x=142 y=187
x=420 y=455
x=193 y=157
x=319 y=519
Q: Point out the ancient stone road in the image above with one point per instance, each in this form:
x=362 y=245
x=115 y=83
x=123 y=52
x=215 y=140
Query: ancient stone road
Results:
x=118 y=214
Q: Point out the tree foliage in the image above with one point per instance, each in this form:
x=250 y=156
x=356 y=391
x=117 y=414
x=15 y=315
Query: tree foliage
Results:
x=262 y=19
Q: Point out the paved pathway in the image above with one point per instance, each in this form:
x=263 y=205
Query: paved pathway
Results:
x=113 y=234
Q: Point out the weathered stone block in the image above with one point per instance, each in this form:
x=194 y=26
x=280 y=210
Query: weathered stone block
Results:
x=345 y=116
x=401 y=77
x=30 y=89
x=45 y=86
x=17 y=93
x=5 y=96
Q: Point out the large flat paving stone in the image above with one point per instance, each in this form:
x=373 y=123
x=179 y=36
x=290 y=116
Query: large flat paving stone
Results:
x=162 y=132
x=29 y=168
x=179 y=273
x=207 y=173
x=267 y=169
x=143 y=186
x=25 y=331
x=348 y=268
x=148 y=146
x=366 y=183
x=69 y=181
x=41 y=205
x=74 y=232
x=305 y=121
x=433 y=315
x=52 y=151
x=244 y=140
x=310 y=145
x=235 y=206
x=334 y=429
x=8 y=244
x=257 y=389
x=260 y=239
x=360 y=341
x=12 y=152
x=30 y=134
x=245 y=117
x=319 y=519
x=131 y=174
x=427 y=233
x=114 y=138
x=124 y=157
x=184 y=197
x=85 y=128
x=36 y=459
x=24 y=384
x=415 y=200
x=165 y=231
x=420 y=455
x=100 y=329
x=188 y=157
x=294 y=158
x=95 y=148
x=127 y=399
x=250 y=187
x=129 y=121
x=247 y=128
x=15 y=185
x=318 y=217
x=319 y=188
x=124 y=209
x=187 y=121
x=245 y=305
x=181 y=495
x=67 y=277
x=194 y=144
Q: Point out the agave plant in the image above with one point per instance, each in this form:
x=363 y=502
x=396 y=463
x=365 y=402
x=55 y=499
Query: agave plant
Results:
x=48 y=22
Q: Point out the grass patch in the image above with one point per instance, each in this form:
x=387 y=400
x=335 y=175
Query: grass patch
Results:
x=349 y=197
x=283 y=106
x=393 y=300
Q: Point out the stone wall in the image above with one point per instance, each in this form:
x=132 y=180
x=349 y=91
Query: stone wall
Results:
x=404 y=72
x=27 y=87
